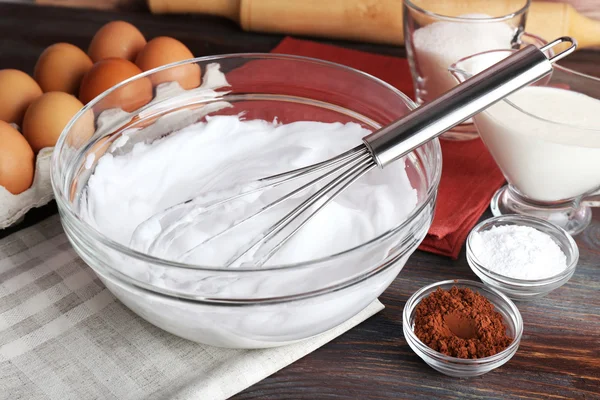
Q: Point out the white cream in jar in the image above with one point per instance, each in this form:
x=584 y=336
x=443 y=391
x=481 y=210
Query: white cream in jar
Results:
x=548 y=146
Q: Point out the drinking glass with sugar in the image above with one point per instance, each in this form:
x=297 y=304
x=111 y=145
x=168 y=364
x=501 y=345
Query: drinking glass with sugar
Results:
x=439 y=33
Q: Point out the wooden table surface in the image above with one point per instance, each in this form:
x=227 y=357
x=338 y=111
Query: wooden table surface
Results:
x=559 y=356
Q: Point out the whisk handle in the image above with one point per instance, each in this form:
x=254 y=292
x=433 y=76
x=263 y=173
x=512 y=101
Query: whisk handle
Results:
x=460 y=103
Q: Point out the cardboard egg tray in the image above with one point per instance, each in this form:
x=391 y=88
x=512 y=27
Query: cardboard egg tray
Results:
x=14 y=207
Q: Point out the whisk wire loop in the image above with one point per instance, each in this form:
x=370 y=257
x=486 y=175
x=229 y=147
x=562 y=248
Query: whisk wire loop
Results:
x=362 y=160
x=359 y=171
x=355 y=155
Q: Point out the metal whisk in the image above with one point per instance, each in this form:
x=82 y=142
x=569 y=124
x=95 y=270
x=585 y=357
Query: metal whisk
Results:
x=378 y=149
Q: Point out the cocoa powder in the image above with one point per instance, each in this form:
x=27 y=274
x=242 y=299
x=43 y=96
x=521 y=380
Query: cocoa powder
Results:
x=460 y=323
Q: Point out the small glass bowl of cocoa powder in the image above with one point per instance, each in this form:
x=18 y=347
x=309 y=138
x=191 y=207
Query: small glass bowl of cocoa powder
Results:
x=470 y=328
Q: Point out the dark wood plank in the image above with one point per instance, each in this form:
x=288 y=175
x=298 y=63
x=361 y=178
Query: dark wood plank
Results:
x=559 y=355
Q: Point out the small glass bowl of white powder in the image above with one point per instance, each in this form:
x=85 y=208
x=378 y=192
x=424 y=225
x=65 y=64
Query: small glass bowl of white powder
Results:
x=524 y=257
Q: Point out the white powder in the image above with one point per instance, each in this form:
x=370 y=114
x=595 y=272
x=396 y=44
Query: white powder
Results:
x=518 y=252
x=439 y=45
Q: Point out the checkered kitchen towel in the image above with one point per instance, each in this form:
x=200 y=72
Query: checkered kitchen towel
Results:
x=64 y=336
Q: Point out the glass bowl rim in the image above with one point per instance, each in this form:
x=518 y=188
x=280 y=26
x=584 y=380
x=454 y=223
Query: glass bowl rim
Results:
x=580 y=75
x=516 y=320
x=520 y=11
x=532 y=222
x=67 y=210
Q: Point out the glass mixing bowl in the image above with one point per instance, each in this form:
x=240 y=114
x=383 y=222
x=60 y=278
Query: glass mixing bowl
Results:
x=240 y=308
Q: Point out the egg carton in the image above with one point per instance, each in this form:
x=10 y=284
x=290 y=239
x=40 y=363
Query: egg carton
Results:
x=14 y=207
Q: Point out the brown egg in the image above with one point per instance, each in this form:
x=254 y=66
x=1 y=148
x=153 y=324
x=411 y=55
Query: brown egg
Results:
x=17 y=91
x=61 y=67
x=117 y=39
x=17 y=165
x=165 y=50
x=46 y=118
x=82 y=130
x=107 y=73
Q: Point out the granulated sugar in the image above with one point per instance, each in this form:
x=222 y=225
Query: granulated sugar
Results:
x=519 y=252
x=439 y=45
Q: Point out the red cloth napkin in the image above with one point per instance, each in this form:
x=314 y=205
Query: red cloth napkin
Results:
x=469 y=174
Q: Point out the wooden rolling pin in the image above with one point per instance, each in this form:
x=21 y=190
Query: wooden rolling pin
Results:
x=377 y=21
